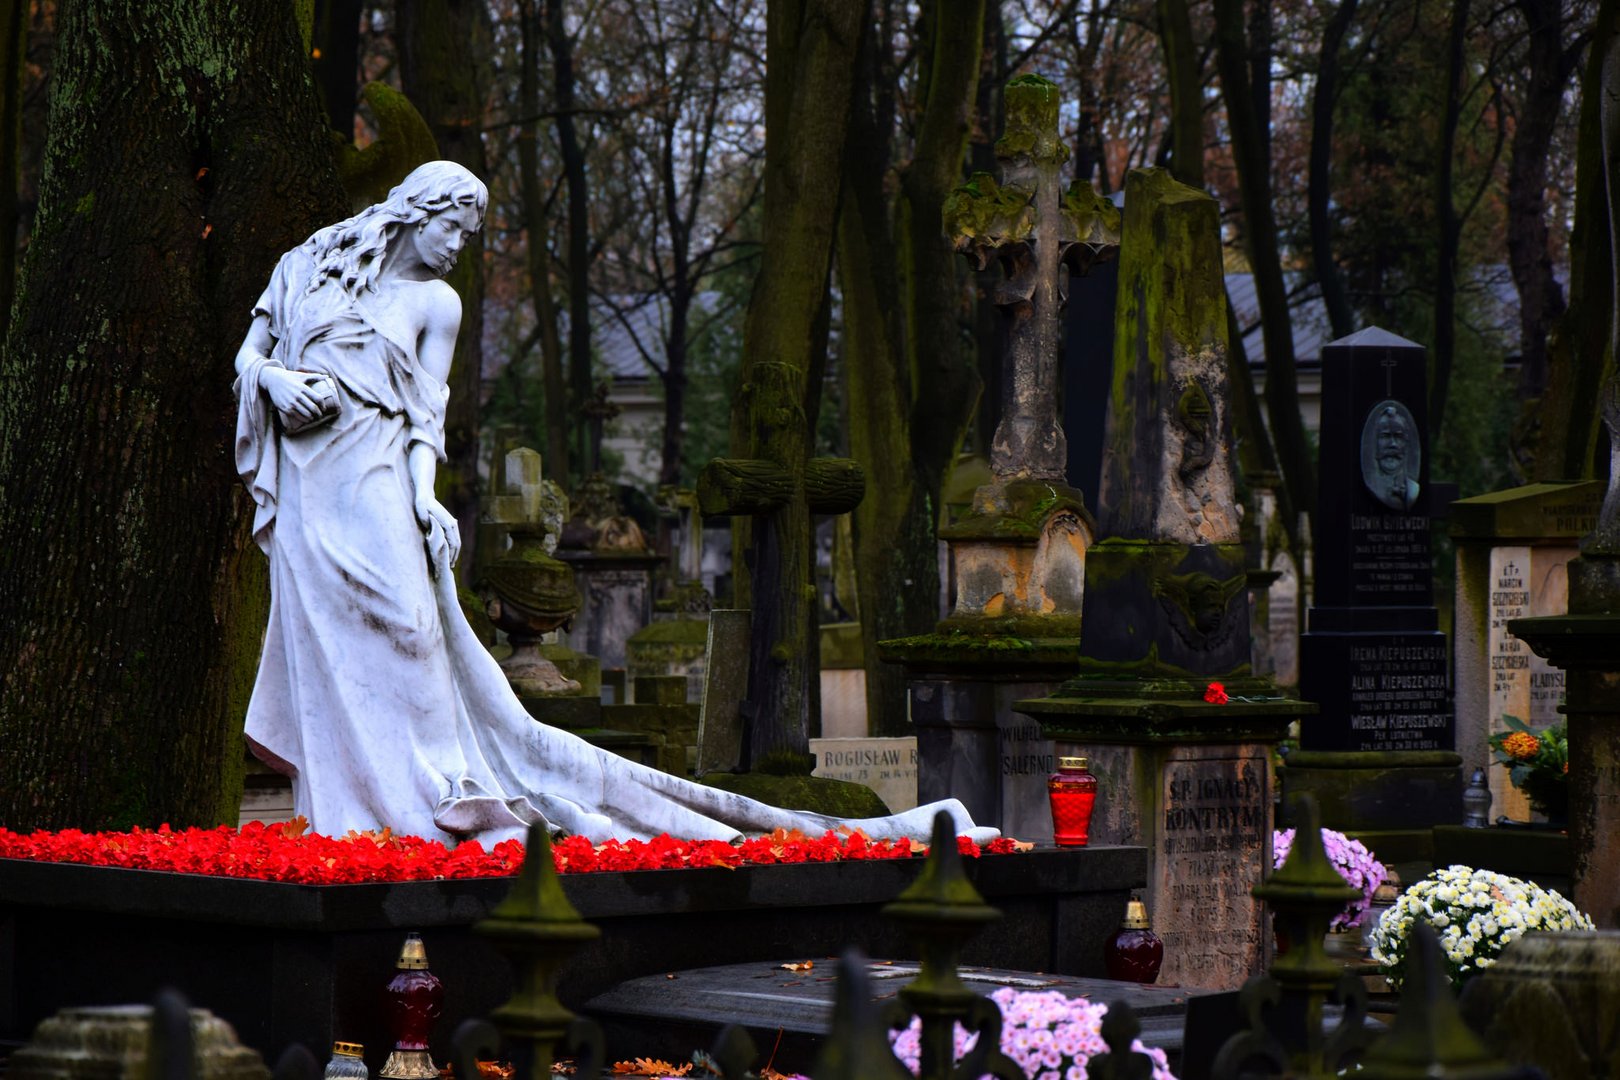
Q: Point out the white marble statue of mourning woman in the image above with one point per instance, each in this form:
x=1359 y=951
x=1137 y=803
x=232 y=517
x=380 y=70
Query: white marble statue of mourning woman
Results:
x=373 y=694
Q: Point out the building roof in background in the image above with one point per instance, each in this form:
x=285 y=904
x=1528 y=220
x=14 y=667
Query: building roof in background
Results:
x=615 y=334
x=1496 y=311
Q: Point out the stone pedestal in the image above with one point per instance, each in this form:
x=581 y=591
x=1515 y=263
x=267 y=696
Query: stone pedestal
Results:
x=671 y=645
x=1191 y=782
x=971 y=742
x=112 y=1042
x=1549 y=1001
x=1586 y=646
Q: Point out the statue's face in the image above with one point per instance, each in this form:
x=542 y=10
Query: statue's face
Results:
x=1392 y=437
x=440 y=238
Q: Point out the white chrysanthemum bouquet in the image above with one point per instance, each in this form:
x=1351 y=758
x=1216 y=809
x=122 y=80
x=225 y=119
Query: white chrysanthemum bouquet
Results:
x=1477 y=913
x=1050 y=1036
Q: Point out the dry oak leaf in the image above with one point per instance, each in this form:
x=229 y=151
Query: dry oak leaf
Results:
x=293 y=827
x=649 y=1067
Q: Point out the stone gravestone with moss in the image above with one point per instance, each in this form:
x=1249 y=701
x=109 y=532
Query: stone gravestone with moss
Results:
x=1166 y=609
x=1513 y=552
x=674 y=642
x=1018 y=558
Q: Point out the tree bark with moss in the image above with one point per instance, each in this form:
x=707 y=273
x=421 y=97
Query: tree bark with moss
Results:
x=442 y=49
x=810 y=50
x=1566 y=425
x=913 y=383
x=13 y=40
x=187 y=152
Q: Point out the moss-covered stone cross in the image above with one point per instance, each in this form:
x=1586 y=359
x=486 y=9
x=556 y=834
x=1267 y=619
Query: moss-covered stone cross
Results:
x=1033 y=227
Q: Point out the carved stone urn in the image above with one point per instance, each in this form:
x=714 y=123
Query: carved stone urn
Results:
x=528 y=594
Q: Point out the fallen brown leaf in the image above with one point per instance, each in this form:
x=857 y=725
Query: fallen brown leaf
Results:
x=803 y=965
x=649 y=1067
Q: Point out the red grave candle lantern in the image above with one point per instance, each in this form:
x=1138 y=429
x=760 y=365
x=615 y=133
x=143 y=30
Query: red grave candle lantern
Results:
x=415 y=1000
x=1135 y=953
x=1073 y=792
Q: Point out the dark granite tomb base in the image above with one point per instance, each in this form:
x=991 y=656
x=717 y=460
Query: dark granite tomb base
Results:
x=1541 y=855
x=788 y=1012
x=290 y=963
x=1390 y=800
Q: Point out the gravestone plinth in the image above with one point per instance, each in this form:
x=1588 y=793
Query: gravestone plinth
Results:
x=615 y=589
x=1018 y=557
x=674 y=643
x=1381 y=754
x=1513 y=553
x=1191 y=782
x=1166 y=608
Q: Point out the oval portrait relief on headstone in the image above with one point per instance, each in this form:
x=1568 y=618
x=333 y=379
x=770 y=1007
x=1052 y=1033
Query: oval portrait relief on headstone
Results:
x=1391 y=455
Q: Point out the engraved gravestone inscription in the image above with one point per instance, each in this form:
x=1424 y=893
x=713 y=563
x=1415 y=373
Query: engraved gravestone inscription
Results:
x=1214 y=835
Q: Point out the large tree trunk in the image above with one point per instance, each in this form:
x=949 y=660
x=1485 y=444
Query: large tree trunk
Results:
x=1323 y=99
x=1541 y=300
x=1260 y=231
x=810 y=48
x=441 y=45
x=336 y=60
x=13 y=41
x=580 y=383
x=1450 y=226
x=1578 y=350
x=187 y=151
x=539 y=249
x=912 y=385
x=1186 y=92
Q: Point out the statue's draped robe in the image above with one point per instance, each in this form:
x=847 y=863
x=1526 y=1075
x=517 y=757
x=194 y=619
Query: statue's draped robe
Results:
x=373 y=694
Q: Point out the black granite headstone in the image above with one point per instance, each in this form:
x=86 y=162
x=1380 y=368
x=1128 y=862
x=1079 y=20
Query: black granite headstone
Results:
x=1373 y=655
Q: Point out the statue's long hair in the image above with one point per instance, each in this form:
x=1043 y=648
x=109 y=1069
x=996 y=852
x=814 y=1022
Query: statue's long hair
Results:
x=352 y=251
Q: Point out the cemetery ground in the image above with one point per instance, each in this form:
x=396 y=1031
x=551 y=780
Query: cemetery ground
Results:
x=1210 y=861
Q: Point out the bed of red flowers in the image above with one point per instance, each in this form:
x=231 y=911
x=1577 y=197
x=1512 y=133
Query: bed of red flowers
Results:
x=289 y=852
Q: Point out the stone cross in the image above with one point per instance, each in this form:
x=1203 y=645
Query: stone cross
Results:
x=686 y=558
x=1033 y=227
x=779 y=494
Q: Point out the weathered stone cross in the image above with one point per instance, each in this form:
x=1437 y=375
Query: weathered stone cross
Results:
x=1034 y=227
x=780 y=490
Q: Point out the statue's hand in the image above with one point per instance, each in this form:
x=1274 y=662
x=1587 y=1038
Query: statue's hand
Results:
x=289 y=393
x=443 y=534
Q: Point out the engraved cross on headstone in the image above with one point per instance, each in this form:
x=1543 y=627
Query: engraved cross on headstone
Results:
x=1033 y=227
